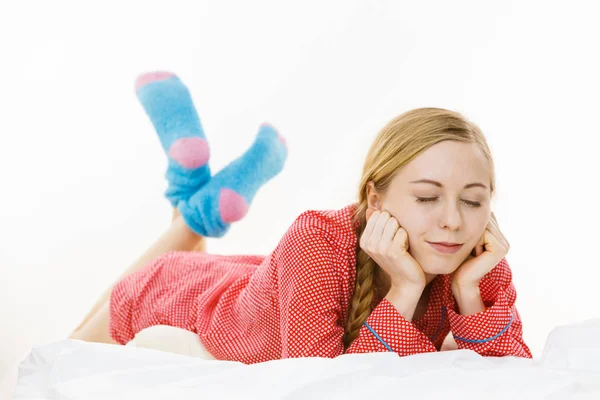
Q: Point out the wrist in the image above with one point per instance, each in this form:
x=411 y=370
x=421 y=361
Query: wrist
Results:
x=465 y=289
x=407 y=289
x=469 y=300
x=466 y=293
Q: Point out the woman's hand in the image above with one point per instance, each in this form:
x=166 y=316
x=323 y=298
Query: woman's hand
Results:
x=492 y=247
x=387 y=243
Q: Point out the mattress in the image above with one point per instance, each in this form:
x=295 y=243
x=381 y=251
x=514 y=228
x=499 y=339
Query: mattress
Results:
x=569 y=368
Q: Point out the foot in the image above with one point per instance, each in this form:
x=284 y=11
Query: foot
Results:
x=228 y=195
x=169 y=105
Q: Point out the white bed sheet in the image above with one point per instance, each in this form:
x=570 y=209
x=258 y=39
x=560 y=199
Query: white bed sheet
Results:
x=569 y=368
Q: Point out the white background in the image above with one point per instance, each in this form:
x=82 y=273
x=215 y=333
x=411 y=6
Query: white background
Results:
x=82 y=170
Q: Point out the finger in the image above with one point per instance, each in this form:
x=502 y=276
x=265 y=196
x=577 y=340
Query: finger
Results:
x=491 y=244
x=366 y=235
x=497 y=226
x=502 y=238
x=478 y=250
x=391 y=227
x=493 y=217
x=375 y=237
x=493 y=221
x=495 y=230
x=368 y=213
x=401 y=240
x=479 y=247
x=492 y=251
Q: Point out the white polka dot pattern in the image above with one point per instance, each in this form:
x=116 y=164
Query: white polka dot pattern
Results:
x=501 y=316
x=399 y=333
x=294 y=302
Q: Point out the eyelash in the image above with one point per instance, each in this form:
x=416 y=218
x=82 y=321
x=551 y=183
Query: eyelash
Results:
x=473 y=204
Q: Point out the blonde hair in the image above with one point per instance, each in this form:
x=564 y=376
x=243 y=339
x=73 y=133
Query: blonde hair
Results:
x=396 y=145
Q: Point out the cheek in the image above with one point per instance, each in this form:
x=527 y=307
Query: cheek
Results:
x=417 y=225
x=478 y=224
x=414 y=221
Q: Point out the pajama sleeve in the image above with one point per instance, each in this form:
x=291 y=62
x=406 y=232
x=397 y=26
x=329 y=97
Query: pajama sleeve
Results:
x=497 y=331
x=310 y=289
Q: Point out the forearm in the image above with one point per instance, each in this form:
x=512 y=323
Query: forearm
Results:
x=468 y=299
x=483 y=317
x=387 y=329
x=405 y=299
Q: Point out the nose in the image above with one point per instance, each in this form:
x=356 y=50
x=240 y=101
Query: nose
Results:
x=450 y=217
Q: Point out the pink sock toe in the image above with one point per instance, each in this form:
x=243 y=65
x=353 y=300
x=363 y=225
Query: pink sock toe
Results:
x=232 y=206
x=145 y=79
x=190 y=152
x=281 y=138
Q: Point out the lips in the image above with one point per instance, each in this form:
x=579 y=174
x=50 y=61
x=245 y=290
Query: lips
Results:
x=446 y=247
x=449 y=244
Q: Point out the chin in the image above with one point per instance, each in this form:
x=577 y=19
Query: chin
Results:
x=440 y=266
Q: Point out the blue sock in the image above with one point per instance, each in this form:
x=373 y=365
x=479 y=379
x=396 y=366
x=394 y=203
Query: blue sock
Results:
x=228 y=195
x=169 y=105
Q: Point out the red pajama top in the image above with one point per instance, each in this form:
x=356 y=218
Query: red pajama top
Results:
x=294 y=302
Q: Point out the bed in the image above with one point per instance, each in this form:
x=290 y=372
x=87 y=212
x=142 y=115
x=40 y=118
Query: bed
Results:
x=569 y=368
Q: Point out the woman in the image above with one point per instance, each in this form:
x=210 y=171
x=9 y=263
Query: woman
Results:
x=420 y=255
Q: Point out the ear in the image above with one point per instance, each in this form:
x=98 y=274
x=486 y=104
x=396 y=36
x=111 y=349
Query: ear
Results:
x=373 y=198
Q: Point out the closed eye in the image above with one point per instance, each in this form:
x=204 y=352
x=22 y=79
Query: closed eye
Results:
x=473 y=204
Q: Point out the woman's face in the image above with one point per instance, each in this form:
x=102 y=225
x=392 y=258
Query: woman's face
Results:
x=454 y=207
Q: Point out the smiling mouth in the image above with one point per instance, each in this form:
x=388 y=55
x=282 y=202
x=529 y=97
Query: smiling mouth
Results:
x=445 y=247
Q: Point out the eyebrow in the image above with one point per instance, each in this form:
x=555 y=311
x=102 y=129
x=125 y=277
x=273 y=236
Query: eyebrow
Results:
x=470 y=185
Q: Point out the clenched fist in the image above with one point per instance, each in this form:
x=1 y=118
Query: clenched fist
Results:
x=386 y=242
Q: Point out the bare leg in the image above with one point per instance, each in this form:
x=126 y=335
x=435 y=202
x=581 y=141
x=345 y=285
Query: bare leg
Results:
x=178 y=237
x=201 y=242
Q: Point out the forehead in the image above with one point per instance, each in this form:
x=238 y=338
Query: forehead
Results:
x=453 y=164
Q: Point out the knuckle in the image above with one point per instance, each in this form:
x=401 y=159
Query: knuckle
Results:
x=361 y=243
x=391 y=254
x=402 y=233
